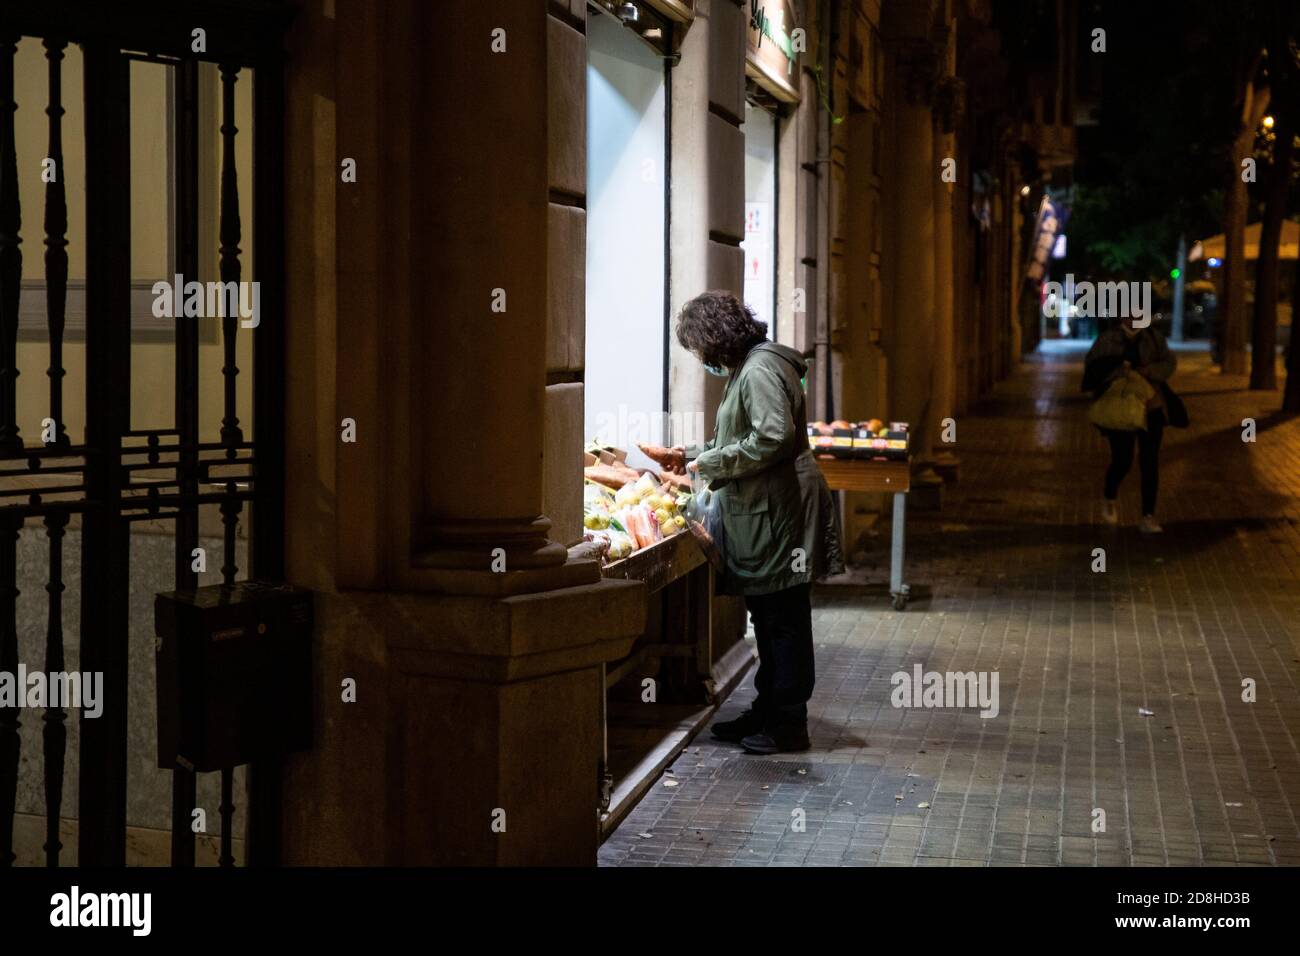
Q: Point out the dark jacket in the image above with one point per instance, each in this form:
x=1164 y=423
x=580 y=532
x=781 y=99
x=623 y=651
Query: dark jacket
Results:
x=781 y=525
x=1106 y=358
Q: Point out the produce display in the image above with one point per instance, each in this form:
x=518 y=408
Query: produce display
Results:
x=864 y=439
x=613 y=476
x=641 y=512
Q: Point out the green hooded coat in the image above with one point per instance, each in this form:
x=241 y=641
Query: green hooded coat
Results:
x=782 y=528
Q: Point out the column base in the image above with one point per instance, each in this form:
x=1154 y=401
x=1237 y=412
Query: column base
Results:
x=489 y=584
x=927 y=487
x=498 y=545
x=475 y=736
x=947 y=466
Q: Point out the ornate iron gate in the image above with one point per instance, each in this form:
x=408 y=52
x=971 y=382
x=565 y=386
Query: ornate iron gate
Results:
x=119 y=475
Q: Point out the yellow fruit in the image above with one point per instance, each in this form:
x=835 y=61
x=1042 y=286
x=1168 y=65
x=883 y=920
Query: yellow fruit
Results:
x=662 y=515
x=679 y=521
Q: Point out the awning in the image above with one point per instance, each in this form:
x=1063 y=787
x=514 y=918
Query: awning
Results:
x=1213 y=248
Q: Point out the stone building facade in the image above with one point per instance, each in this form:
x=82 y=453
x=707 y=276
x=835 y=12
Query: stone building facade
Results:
x=477 y=699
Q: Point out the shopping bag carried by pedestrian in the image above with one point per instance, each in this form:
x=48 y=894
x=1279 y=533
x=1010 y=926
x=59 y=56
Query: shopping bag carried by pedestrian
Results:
x=704 y=518
x=1175 y=409
x=1123 y=406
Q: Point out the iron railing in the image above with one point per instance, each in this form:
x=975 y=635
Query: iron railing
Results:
x=120 y=475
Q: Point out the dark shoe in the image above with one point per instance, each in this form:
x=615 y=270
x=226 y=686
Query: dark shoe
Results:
x=777 y=740
x=734 y=731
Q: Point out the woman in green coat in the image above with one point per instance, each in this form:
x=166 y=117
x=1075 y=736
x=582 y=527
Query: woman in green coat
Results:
x=780 y=523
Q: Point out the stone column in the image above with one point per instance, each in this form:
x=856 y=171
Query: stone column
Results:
x=1015 y=219
x=457 y=652
x=708 y=194
x=948 y=107
x=910 y=327
x=707 y=213
x=801 y=185
x=479 y=352
x=797 y=225
x=566 y=268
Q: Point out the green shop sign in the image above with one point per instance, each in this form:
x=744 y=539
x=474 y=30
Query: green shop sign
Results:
x=773 y=28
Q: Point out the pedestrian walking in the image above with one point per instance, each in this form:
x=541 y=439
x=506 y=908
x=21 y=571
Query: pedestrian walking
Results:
x=1128 y=370
x=781 y=527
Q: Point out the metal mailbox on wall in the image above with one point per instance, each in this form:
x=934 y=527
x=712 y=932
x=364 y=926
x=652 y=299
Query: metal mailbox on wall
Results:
x=233 y=674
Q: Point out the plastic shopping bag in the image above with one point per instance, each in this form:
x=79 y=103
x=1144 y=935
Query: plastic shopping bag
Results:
x=704 y=519
x=1123 y=407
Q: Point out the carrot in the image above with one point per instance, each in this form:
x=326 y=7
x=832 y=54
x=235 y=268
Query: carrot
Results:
x=669 y=459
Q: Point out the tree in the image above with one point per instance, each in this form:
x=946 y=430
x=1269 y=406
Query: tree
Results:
x=1263 y=346
x=1291 y=393
x=1152 y=169
x=1282 y=82
x=1253 y=107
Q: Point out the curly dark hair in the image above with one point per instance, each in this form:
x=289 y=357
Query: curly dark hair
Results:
x=719 y=328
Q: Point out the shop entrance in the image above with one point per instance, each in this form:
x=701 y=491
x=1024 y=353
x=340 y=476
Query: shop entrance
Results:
x=759 y=244
x=659 y=695
x=626 y=324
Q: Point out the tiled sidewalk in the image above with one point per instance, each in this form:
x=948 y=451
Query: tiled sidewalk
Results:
x=1003 y=582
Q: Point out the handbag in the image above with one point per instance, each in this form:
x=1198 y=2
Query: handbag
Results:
x=1123 y=406
x=1175 y=410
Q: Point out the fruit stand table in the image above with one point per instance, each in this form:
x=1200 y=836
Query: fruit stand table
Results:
x=679 y=635
x=892 y=477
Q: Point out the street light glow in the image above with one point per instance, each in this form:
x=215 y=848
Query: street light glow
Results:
x=1268 y=122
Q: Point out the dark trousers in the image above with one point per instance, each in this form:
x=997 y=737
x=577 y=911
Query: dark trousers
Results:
x=783 y=629
x=1121 y=459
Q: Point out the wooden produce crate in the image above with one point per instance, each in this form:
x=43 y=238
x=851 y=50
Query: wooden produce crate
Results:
x=677 y=650
x=660 y=564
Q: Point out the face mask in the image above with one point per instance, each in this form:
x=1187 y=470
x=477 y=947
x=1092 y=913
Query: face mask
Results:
x=715 y=370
